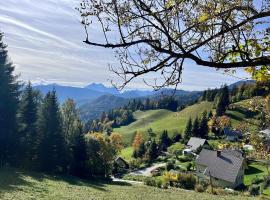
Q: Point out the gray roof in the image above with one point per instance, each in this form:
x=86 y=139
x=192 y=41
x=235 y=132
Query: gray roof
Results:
x=194 y=143
x=225 y=167
x=266 y=131
x=232 y=133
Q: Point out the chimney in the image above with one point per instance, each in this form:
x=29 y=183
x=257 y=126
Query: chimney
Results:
x=218 y=153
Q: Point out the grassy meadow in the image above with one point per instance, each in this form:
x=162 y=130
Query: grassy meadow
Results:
x=160 y=120
x=22 y=185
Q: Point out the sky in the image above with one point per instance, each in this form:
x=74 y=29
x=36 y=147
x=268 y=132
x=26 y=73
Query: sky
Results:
x=45 y=42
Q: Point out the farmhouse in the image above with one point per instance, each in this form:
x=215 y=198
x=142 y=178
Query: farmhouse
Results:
x=232 y=135
x=194 y=143
x=223 y=168
x=120 y=165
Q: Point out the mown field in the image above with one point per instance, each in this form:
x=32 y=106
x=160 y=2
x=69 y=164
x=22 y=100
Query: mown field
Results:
x=240 y=113
x=21 y=185
x=160 y=120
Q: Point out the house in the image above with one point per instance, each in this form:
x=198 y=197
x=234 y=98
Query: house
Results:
x=120 y=165
x=265 y=133
x=195 y=143
x=232 y=135
x=223 y=168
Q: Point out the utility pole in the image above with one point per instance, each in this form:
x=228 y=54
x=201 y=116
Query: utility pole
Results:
x=212 y=188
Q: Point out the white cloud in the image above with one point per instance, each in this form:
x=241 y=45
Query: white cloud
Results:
x=45 y=42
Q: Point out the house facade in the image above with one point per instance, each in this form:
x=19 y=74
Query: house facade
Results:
x=223 y=169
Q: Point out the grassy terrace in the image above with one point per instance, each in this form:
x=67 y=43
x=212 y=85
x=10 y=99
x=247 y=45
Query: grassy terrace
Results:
x=160 y=120
x=24 y=185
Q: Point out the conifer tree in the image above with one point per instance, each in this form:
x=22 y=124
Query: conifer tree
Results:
x=188 y=130
x=141 y=150
x=78 y=153
x=9 y=94
x=223 y=102
x=203 y=128
x=195 y=128
x=27 y=126
x=51 y=142
x=164 y=141
x=152 y=153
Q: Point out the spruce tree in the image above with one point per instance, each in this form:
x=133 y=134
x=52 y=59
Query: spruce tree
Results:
x=188 y=130
x=27 y=118
x=203 y=128
x=9 y=97
x=141 y=150
x=78 y=153
x=195 y=129
x=164 y=141
x=223 y=102
x=51 y=143
x=152 y=151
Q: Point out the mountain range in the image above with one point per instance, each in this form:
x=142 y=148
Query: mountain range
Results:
x=96 y=98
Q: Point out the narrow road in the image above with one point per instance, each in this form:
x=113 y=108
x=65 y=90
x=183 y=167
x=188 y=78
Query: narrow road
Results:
x=147 y=171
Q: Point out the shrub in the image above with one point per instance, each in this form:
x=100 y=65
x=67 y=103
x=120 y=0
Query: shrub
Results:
x=254 y=190
x=159 y=183
x=130 y=177
x=199 y=188
x=170 y=165
x=256 y=180
x=189 y=165
x=185 y=158
x=135 y=163
x=266 y=182
x=187 y=181
x=150 y=181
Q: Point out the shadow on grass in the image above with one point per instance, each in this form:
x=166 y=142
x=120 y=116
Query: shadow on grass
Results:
x=14 y=180
x=252 y=170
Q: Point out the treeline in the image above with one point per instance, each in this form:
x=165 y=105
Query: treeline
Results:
x=124 y=115
x=36 y=133
x=239 y=92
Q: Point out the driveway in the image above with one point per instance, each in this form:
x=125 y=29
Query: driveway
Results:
x=147 y=171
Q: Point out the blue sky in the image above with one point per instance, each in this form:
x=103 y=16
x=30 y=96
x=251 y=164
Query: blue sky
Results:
x=45 y=43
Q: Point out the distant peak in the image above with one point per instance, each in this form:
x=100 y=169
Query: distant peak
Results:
x=101 y=88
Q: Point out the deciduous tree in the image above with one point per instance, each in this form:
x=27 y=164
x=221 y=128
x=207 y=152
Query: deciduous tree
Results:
x=222 y=34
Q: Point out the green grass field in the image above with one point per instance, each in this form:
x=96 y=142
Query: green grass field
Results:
x=160 y=120
x=21 y=185
x=240 y=113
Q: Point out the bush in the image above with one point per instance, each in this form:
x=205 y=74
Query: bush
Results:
x=254 y=190
x=266 y=182
x=187 y=181
x=150 y=181
x=199 y=188
x=185 y=158
x=170 y=165
x=130 y=177
x=135 y=163
x=189 y=165
x=256 y=180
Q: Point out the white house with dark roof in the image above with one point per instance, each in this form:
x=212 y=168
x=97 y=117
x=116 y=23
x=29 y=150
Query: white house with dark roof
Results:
x=224 y=168
x=194 y=143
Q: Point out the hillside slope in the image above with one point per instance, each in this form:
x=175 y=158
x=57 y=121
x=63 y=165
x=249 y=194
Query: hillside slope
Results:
x=240 y=114
x=20 y=185
x=160 y=120
x=94 y=109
